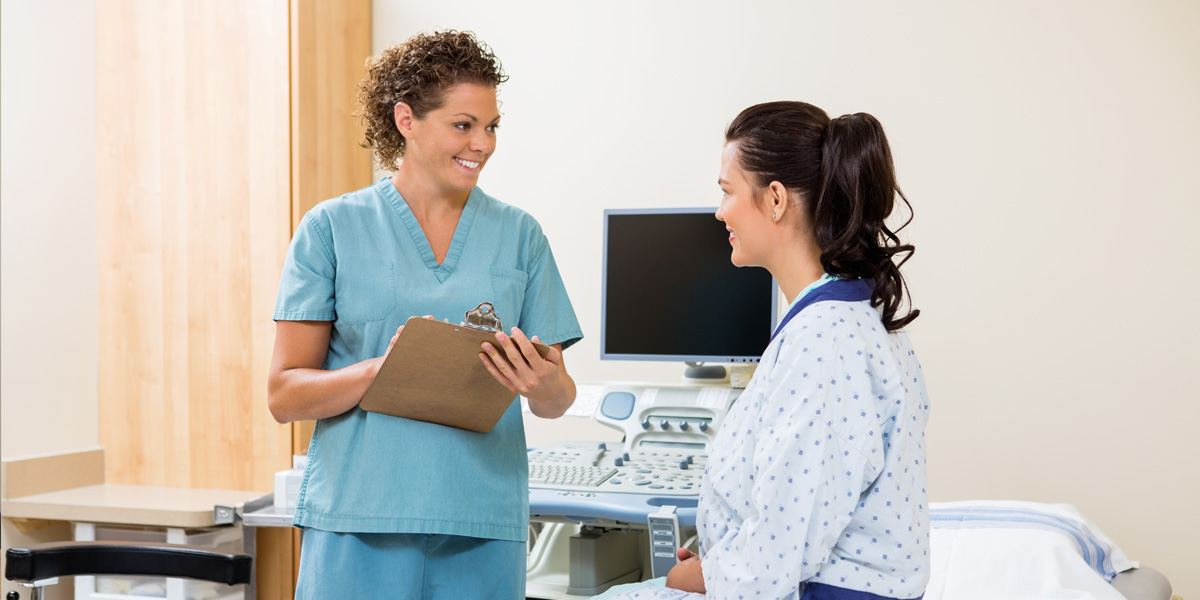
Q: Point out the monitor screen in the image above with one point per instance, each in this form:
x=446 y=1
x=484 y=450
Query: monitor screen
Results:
x=671 y=294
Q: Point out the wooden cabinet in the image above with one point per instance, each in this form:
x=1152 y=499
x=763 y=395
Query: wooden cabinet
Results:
x=219 y=124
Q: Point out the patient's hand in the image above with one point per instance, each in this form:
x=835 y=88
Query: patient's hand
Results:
x=686 y=576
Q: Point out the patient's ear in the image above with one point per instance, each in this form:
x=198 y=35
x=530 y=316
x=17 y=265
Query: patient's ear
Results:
x=777 y=200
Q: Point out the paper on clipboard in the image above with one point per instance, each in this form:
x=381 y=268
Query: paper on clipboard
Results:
x=434 y=374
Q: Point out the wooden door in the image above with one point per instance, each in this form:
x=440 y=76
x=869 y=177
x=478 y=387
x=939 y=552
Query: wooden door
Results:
x=209 y=147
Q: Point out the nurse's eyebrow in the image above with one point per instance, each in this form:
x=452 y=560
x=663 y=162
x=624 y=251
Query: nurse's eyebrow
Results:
x=474 y=119
x=721 y=182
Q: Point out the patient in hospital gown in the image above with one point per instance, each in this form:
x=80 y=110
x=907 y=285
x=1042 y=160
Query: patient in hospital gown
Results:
x=818 y=472
x=815 y=482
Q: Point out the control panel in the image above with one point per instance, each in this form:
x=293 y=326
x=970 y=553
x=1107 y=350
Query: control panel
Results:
x=667 y=432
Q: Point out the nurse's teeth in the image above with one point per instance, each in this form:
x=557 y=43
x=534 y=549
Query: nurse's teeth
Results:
x=467 y=163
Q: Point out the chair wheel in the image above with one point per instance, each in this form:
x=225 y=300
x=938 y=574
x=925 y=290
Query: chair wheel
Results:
x=13 y=595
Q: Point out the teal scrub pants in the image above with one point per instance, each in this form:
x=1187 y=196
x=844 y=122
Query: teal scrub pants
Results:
x=408 y=567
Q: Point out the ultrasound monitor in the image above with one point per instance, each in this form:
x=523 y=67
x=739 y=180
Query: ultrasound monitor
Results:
x=670 y=292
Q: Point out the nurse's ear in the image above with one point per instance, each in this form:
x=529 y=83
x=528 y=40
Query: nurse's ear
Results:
x=403 y=115
x=776 y=201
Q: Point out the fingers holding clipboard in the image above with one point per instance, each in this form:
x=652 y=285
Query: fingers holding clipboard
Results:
x=433 y=373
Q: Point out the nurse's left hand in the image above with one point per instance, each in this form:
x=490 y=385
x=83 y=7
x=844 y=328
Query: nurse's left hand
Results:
x=516 y=364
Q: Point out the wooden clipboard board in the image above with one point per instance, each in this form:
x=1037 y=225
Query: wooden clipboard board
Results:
x=434 y=374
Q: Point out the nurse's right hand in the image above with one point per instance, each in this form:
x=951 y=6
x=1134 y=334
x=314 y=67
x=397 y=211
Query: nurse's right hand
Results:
x=379 y=361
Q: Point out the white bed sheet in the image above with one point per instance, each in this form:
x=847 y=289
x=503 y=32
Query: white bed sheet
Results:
x=1008 y=550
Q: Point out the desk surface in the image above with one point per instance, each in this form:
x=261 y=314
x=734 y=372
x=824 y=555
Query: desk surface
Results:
x=127 y=504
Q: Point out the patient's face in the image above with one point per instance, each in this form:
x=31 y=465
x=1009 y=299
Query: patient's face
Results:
x=747 y=224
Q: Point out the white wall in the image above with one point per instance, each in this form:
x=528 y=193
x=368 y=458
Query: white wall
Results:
x=49 y=329
x=1045 y=146
x=48 y=297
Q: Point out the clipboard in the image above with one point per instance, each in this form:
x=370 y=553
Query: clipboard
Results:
x=434 y=374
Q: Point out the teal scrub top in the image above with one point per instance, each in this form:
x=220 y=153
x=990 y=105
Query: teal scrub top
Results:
x=363 y=262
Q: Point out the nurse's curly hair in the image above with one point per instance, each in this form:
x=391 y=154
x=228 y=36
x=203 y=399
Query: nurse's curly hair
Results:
x=418 y=72
x=843 y=171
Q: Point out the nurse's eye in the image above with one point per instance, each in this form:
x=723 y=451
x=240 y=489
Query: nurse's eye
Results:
x=493 y=128
x=462 y=126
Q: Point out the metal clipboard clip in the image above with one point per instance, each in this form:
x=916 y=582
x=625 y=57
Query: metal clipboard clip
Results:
x=483 y=317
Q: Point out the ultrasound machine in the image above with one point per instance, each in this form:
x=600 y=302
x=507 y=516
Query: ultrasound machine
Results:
x=605 y=513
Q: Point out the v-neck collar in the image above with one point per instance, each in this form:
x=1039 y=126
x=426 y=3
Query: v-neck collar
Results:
x=419 y=239
x=844 y=290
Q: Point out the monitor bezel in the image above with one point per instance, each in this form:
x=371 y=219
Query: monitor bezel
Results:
x=690 y=358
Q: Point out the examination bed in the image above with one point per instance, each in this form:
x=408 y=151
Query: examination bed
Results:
x=1026 y=551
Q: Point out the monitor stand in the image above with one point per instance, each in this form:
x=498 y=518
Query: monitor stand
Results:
x=701 y=373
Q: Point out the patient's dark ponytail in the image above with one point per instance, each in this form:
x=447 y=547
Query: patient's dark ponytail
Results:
x=843 y=170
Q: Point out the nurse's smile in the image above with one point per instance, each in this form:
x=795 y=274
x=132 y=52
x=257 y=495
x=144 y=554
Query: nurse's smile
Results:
x=468 y=164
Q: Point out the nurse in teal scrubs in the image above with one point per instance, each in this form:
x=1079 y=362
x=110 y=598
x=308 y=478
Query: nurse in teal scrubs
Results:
x=394 y=508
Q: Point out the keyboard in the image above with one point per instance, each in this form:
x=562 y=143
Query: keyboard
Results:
x=551 y=475
x=576 y=465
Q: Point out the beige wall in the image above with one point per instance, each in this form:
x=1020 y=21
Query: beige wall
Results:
x=1043 y=145
x=48 y=315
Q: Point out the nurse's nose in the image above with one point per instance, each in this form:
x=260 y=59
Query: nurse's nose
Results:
x=483 y=142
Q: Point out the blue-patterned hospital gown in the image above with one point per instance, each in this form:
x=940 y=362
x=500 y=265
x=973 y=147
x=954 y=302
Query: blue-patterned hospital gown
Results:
x=818 y=472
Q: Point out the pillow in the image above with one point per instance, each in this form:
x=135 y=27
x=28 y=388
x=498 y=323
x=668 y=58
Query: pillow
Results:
x=1016 y=550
